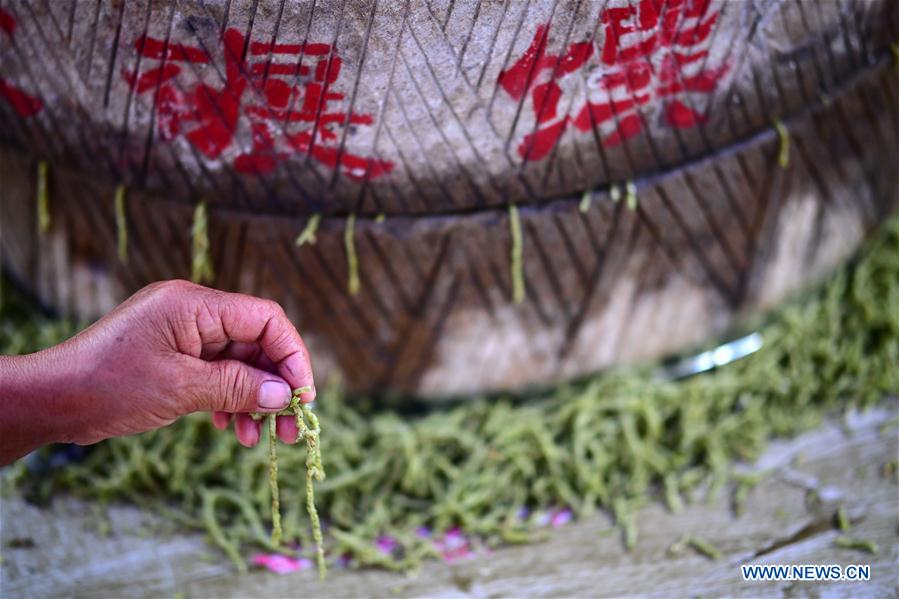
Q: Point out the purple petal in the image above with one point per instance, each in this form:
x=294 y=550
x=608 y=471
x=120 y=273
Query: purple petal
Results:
x=561 y=518
x=454 y=539
x=453 y=546
x=386 y=544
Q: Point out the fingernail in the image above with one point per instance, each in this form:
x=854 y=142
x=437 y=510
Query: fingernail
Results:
x=309 y=395
x=274 y=395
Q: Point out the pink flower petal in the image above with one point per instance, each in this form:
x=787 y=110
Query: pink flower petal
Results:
x=454 y=539
x=457 y=554
x=453 y=546
x=386 y=544
x=280 y=564
x=561 y=518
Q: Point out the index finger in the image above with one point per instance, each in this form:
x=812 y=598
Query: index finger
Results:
x=247 y=319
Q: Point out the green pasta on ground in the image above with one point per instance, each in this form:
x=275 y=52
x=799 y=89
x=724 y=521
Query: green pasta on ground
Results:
x=480 y=465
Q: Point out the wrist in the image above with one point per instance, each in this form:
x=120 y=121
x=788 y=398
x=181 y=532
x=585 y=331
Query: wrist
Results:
x=38 y=402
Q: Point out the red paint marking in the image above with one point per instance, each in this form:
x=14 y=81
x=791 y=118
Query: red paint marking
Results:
x=357 y=168
x=161 y=50
x=328 y=70
x=628 y=127
x=152 y=78
x=517 y=78
x=261 y=68
x=22 y=102
x=685 y=59
x=287 y=115
x=576 y=57
x=592 y=114
x=634 y=75
x=256 y=162
x=681 y=116
x=697 y=34
x=521 y=75
x=258 y=48
x=538 y=144
x=277 y=93
x=218 y=111
x=7 y=23
x=620 y=21
x=546 y=100
x=652 y=52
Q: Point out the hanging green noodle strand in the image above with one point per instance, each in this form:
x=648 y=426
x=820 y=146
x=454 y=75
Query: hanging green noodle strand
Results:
x=783 y=152
x=516 y=262
x=273 y=479
x=43 y=198
x=631 y=196
x=307 y=235
x=352 y=260
x=201 y=267
x=309 y=434
x=615 y=193
x=586 y=200
x=121 y=222
x=314 y=471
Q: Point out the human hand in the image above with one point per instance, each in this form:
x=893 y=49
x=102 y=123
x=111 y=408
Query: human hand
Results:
x=171 y=349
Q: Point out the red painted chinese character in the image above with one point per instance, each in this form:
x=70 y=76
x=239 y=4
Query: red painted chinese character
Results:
x=652 y=51
x=22 y=102
x=524 y=75
x=284 y=118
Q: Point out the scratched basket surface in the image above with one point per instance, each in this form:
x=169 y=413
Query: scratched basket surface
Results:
x=439 y=115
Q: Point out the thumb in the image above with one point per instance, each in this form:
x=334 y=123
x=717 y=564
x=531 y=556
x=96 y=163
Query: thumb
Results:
x=234 y=386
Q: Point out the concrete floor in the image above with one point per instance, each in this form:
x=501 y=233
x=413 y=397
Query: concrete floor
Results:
x=59 y=551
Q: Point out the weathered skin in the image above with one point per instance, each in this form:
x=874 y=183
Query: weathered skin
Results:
x=439 y=115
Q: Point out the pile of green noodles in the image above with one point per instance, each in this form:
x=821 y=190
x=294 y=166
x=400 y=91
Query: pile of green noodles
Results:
x=610 y=442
